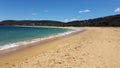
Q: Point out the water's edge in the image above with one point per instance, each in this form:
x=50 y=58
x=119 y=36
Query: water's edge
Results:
x=20 y=45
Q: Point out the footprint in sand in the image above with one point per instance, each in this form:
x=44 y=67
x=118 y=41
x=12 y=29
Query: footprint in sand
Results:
x=81 y=58
x=115 y=30
x=59 y=62
x=13 y=65
x=85 y=54
x=26 y=59
x=6 y=63
x=109 y=41
x=26 y=62
x=67 y=54
x=78 y=47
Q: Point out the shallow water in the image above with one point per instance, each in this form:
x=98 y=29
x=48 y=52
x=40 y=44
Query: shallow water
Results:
x=13 y=34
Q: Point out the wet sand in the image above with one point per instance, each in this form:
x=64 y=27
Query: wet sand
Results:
x=97 y=47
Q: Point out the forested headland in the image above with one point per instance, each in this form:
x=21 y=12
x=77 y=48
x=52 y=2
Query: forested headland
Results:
x=107 y=21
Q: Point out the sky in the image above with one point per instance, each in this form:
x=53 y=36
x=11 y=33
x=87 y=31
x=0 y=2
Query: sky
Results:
x=60 y=10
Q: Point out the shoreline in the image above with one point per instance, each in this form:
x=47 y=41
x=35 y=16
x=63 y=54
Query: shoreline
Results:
x=97 y=47
x=29 y=43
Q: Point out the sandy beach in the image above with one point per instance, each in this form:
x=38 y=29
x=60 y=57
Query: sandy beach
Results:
x=96 y=47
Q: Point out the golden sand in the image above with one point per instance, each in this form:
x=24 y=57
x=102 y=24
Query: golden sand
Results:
x=97 y=47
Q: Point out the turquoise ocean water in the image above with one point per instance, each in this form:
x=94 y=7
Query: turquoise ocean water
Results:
x=14 y=34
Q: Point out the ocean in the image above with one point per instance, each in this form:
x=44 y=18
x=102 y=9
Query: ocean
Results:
x=12 y=36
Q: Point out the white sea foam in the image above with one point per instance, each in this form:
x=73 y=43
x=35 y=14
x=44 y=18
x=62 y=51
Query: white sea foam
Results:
x=13 y=46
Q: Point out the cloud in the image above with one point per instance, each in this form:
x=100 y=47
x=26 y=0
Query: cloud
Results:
x=117 y=10
x=84 y=11
x=34 y=14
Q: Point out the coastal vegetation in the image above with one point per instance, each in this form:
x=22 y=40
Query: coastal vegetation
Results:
x=107 y=21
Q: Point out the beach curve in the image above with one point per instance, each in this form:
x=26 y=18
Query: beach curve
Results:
x=97 y=47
